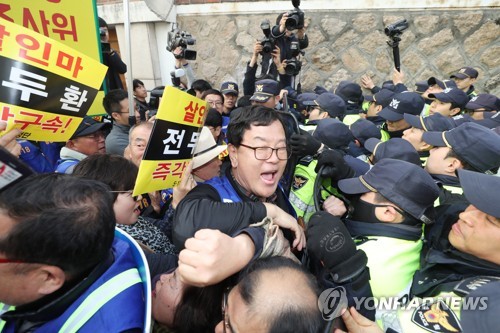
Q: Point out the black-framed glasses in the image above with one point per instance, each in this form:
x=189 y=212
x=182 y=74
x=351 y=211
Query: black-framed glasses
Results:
x=215 y=103
x=226 y=328
x=96 y=136
x=129 y=192
x=265 y=153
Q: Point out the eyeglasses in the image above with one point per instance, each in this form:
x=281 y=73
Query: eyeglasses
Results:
x=265 y=153
x=129 y=192
x=10 y=261
x=214 y=103
x=225 y=317
x=95 y=136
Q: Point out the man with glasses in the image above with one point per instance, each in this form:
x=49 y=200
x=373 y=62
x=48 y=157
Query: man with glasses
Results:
x=88 y=139
x=249 y=190
x=215 y=99
x=116 y=105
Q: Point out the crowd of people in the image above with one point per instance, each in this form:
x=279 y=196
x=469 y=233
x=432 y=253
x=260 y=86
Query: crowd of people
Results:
x=299 y=212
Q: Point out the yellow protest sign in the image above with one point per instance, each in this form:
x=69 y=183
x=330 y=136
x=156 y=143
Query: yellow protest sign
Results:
x=66 y=21
x=47 y=87
x=174 y=136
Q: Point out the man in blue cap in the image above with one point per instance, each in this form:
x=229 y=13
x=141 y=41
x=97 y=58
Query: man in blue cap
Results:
x=303 y=109
x=352 y=95
x=376 y=103
x=405 y=102
x=389 y=204
x=419 y=125
x=89 y=138
x=460 y=259
x=450 y=102
x=327 y=105
x=465 y=78
x=267 y=93
x=482 y=106
x=435 y=86
x=468 y=146
x=230 y=92
x=362 y=130
x=395 y=148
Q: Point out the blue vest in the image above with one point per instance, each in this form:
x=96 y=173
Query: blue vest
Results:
x=42 y=157
x=123 y=311
x=228 y=194
x=66 y=166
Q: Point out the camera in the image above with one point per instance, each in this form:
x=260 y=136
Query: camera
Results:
x=183 y=39
x=396 y=28
x=295 y=18
x=293 y=66
x=267 y=42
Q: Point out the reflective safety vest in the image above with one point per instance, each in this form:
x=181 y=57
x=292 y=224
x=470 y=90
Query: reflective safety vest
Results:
x=384 y=135
x=302 y=192
x=350 y=118
x=426 y=111
x=392 y=263
x=452 y=189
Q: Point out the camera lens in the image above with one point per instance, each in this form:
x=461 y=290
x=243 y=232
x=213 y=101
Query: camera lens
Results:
x=292 y=22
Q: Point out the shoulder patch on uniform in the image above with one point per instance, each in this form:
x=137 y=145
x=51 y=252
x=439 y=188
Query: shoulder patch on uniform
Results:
x=436 y=317
x=469 y=285
x=299 y=182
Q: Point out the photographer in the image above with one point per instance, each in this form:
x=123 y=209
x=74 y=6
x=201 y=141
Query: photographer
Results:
x=111 y=59
x=189 y=77
x=275 y=70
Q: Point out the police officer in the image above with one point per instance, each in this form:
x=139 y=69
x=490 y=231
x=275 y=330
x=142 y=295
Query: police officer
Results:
x=377 y=102
x=450 y=102
x=465 y=78
x=267 y=93
x=419 y=125
x=327 y=105
x=461 y=259
x=352 y=95
x=401 y=103
x=435 y=86
x=392 y=202
x=334 y=134
x=468 y=146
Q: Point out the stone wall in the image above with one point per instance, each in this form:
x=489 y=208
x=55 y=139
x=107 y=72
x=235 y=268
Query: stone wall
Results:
x=346 y=44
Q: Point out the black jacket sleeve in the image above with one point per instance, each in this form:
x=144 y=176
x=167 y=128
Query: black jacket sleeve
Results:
x=249 y=80
x=115 y=62
x=304 y=42
x=202 y=208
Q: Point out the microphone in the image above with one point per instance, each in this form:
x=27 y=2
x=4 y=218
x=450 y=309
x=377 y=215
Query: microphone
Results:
x=179 y=72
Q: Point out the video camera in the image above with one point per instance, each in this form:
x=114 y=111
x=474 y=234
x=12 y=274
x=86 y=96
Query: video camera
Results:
x=397 y=28
x=267 y=42
x=394 y=32
x=178 y=38
x=295 y=18
x=294 y=65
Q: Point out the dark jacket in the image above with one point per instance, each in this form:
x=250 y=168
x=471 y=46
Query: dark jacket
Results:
x=442 y=266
